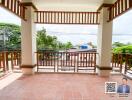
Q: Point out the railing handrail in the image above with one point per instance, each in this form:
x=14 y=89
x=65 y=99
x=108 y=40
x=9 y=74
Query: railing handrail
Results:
x=65 y=52
x=122 y=53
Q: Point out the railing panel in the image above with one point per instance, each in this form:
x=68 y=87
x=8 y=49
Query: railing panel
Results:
x=117 y=61
x=86 y=60
x=123 y=62
x=118 y=8
x=128 y=64
x=2 y=62
x=59 y=17
x=10 y=60
x=66 y=61
x=15 y=7
x=15 y=58
x=46 y=59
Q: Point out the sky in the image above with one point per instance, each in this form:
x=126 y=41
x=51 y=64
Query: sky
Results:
x=80 y=34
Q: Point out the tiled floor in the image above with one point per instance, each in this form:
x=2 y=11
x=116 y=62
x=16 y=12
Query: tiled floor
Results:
x=58 y=87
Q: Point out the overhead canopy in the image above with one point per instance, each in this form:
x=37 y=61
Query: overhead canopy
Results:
x=69 y=5
x=67 y=11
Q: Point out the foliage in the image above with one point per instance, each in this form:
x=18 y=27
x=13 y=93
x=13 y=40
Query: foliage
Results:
x=117 y=44
x=123 y=49
x=48 y=42
x=10 y=39
x=45 y=41
x=12 y=36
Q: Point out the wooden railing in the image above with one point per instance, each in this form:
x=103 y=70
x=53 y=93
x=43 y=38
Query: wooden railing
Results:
x=59 y=17
x=118 y=8
x=14 y=6
x=58 y=61
x=128 y=64
x=10 y=60
x=66 y=60
x=3 y=67
x=123 y=62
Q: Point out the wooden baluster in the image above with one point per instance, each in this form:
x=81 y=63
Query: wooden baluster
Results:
x=79 y=17
x=61 y=17
x=116 y=9
x=3 y=2
x=82 y=18
x=43 y=18
x=15 y=2
x=122 y=5
x=58 y=18
x=8 y=4
x=51 y=17
x=93 y=17
x=76 y=18
x=125 y=4
x=130 y=3
x=119 y=7
x=112 y=12
x=95 y=62
x=12 y=2
x=3 y=57
x=40 y=16
x=126 y=63
x=85 y=17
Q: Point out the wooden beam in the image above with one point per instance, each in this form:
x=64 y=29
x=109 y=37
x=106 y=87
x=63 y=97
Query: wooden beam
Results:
x=29 y=4
x=104 y=5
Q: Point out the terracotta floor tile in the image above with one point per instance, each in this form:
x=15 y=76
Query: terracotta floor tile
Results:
x=57 y=87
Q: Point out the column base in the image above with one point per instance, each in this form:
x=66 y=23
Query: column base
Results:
x=28 y=69
x=104 y=71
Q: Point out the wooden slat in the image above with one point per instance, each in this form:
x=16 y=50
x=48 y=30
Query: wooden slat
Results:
x=40 y=17
x=12 y=2
x=67 y=17
x=15 y=7
x=97 y=18
x=8 y=3
x=126 y=4
x=93 y=17
x=119 y=8
x=3 y=2
x=122 y=5
x=130 y=3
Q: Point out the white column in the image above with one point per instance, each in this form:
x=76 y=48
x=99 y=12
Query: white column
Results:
x=104 y=43
x=28 y=44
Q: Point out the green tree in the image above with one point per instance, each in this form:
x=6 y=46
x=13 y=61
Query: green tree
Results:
x=68 y=45
x=12 y=36
x=13 y=39
x=118 y=44
x=45 y=41
x=123 y=49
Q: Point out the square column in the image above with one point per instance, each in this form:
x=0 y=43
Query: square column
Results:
x=104 y=43
x=28 y=45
